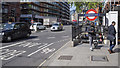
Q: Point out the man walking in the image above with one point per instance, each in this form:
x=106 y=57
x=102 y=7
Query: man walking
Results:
x=91 y=33
x=112 y=33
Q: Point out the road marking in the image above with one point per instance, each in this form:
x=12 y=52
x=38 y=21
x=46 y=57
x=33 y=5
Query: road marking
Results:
x=50 y=37
x=10 y=54
x=15 y=55
x=52 y=55
x=65 y=36
x=61 y=40
x=27 y=44
x=39 y=49
x=35 y=39
x=6 y=51
x=47 y=50
x=42 y=45
x=34 y=44
x=58 y=32
x=23 y=44
x=12 y=45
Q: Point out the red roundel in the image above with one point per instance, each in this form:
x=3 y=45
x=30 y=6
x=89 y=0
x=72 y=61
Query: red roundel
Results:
x=93 y=17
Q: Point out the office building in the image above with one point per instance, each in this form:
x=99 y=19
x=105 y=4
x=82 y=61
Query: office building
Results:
x=45 y=12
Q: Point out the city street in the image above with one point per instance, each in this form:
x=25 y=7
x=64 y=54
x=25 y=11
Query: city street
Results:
x=47 y=34
x=34 y=50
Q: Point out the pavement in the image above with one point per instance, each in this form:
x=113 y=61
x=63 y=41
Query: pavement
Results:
x=80 y=55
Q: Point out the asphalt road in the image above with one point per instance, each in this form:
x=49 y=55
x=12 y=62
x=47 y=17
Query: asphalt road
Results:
x=34 y=50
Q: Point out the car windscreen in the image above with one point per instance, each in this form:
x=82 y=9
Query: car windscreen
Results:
x=55 y=25
x=7 y=26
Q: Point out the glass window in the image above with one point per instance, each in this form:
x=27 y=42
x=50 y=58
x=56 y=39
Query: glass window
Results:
x=8 y=26
x=17 y=26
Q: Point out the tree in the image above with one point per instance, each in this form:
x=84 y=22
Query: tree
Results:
x=89 y=5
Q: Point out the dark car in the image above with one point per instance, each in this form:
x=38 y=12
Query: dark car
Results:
x=15 y=30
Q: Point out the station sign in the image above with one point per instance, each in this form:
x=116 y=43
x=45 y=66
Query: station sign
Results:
x=91 y=15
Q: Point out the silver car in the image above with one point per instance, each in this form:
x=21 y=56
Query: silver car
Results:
x=56 y=27
x=37 y=26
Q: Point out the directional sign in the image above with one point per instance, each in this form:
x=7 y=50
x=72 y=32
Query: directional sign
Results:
x=91 y=14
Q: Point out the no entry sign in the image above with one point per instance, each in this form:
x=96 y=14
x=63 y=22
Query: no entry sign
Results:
x=92 y=16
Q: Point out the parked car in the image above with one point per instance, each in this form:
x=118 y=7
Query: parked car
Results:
x=37 y=26
x=57 y=26
x=14 y=30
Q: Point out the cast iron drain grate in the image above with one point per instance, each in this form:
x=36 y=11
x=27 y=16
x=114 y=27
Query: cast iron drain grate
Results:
x=99 y=58
x=65 y=58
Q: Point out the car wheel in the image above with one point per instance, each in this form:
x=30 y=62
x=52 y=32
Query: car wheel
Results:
x=9 y=38
x=28 y=35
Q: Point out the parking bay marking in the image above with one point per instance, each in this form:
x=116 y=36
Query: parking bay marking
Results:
x=40 y=49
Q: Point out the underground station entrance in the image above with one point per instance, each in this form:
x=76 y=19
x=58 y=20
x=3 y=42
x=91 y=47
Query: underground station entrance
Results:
x=80 y=28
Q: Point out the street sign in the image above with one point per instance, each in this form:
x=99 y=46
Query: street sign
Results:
x=91 y=14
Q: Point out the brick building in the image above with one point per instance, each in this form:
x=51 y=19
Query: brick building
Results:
x=10 y=11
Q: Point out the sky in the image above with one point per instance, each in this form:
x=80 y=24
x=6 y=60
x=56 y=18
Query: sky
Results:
x=72 y=8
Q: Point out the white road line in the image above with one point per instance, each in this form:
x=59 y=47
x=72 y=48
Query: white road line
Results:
x=7 y=51
x=53 y=54
x=65 y=36
x=50 y=37
x=35 y=39
x=22 y=44
x=39 y=49
x=42 y=45
x=12 y=45
x=34 y=44
x=14 y=55
x=61 y=40
x=58 y=32
x=27 y=44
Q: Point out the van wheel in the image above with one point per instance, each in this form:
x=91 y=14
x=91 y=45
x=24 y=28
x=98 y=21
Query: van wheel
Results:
x=9 y=39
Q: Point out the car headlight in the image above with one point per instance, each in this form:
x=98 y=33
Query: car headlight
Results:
x=2 y=33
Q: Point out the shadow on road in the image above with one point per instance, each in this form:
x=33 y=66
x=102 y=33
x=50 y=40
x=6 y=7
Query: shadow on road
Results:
x=58 y=30
x=98 y=47
x=21 y=39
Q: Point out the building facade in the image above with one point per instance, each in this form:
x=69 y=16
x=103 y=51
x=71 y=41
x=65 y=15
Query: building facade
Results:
x=45 y=12
x=10 y=12
x=115 y=6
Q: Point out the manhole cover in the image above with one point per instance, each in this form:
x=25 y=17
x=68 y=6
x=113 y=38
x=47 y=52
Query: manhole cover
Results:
x=99 y=58
x=65 y=58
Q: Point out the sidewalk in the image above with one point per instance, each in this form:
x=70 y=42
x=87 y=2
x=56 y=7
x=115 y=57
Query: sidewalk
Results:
x=81 y=56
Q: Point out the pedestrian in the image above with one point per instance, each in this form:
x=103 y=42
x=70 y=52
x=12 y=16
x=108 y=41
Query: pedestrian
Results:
x=91 y=32
x=111 y=37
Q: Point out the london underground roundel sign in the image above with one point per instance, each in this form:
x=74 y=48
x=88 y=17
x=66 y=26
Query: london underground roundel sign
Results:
x=91 y=11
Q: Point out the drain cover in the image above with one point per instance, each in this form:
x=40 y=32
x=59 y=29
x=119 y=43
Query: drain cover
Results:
x=65 y=58
x=99 y=58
